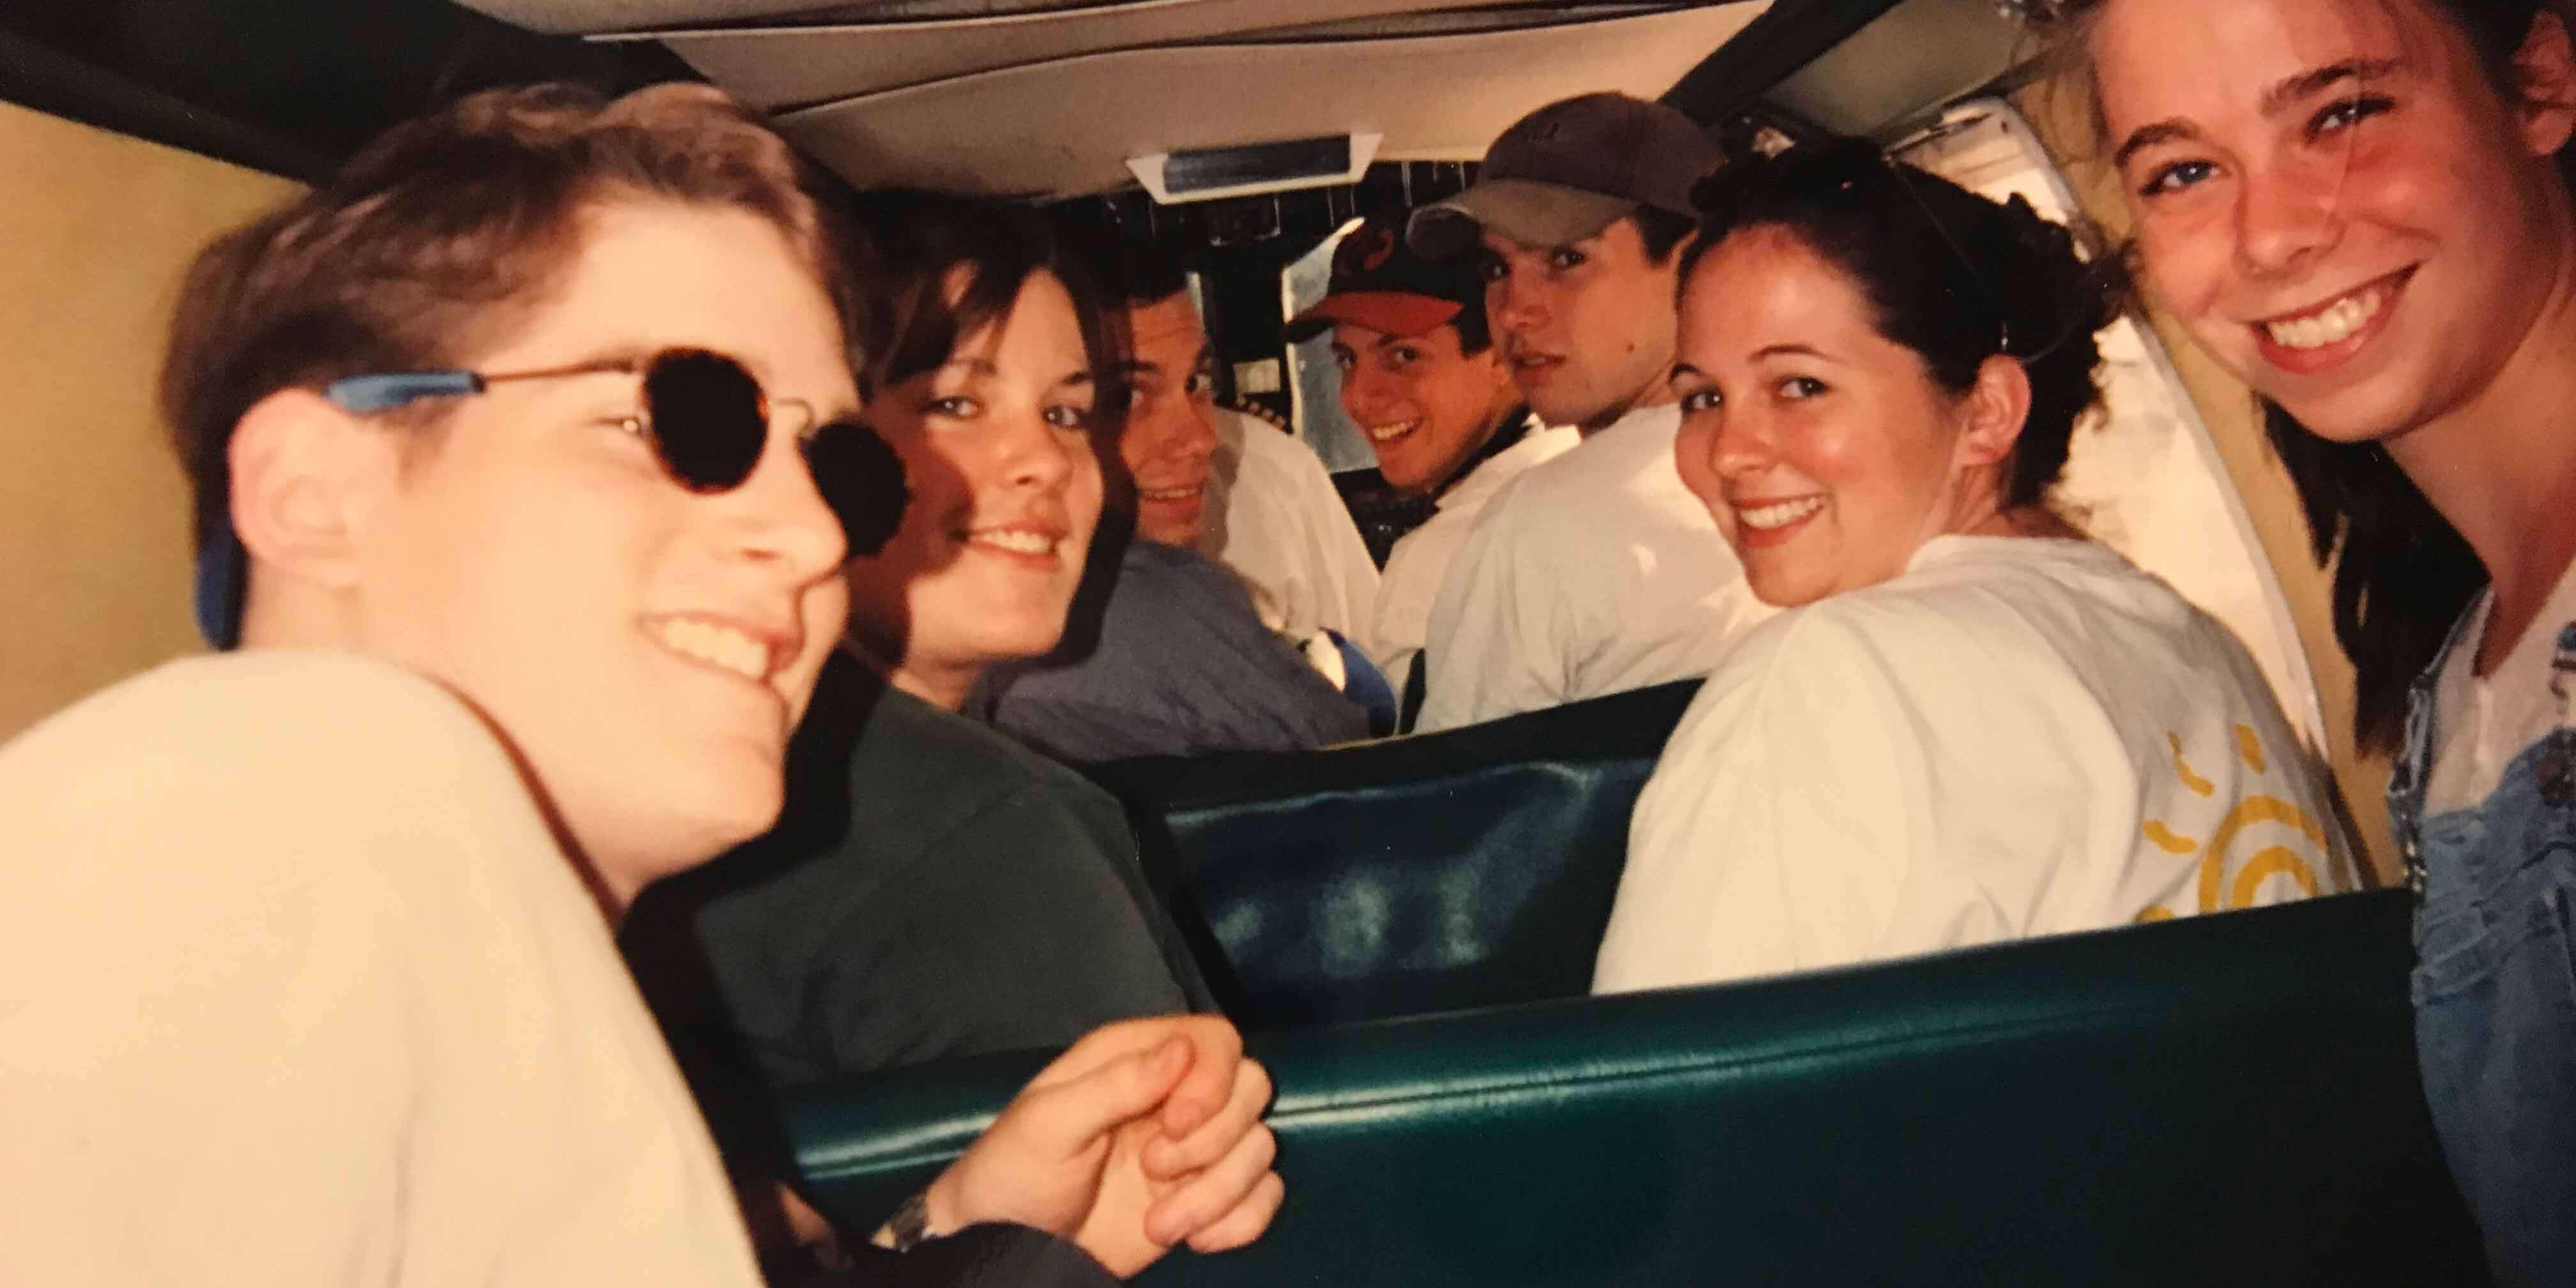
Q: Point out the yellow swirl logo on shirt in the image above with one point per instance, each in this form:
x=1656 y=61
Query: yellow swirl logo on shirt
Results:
x=2214 y=889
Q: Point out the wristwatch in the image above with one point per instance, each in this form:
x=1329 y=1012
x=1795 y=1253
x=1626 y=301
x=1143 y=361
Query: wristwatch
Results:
x=909 y=1227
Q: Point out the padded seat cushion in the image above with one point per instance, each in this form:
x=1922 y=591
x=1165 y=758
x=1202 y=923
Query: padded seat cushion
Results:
x=2223 y=1099
x=1469 y=868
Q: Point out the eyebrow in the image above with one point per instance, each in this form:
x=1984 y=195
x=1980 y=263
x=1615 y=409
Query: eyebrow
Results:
x=979 y=366
x=1681 y=369
x=1778 y=350
x=2147 y=136
x=2309 y=83
x=1205 y=361
x=2290 y=90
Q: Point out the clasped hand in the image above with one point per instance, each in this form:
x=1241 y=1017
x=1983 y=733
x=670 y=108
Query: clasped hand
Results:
x=1143 y=1135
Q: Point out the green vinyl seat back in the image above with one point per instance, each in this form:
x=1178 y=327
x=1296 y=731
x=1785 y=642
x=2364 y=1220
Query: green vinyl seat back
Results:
x=2226 y=1099
x=1473 y=867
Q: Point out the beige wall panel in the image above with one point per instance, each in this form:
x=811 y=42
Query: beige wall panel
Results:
x=94 y=568
x=2237 y=426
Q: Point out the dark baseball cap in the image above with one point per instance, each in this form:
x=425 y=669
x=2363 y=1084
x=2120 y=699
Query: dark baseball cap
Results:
x=1380 y=283
x=1571 y=169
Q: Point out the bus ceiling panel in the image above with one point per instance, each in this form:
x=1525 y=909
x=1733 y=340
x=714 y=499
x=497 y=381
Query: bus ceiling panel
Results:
x=654 y=17
x=284 y=84
x=1898 y=72
x=605 y=17
x=1067 y=128
x=783 y=67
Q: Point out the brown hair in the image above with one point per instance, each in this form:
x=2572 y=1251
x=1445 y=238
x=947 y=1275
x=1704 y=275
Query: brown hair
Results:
x=929 y=247
x=438 y=238
x=1948 y=274
x=2402 y=573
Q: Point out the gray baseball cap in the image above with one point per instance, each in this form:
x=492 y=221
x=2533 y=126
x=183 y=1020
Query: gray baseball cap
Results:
x=1571 y=169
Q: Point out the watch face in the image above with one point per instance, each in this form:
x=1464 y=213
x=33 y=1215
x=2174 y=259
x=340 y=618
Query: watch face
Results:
x=909 y=1225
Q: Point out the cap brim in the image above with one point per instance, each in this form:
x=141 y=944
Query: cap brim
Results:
x=1525 y=210
x=1394 y=312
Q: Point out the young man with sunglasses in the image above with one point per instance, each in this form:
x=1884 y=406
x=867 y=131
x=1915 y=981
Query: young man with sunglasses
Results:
x=1597 y=571
x=515 y=448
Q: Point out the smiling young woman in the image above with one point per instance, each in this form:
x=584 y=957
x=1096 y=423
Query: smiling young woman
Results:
x=934 y=889
x=1973 y=724
x=2361 y=208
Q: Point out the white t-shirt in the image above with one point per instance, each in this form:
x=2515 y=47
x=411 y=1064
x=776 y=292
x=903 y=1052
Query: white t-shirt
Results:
x=1595 y=573
x=296 y=989
x=1281 y=525
x=2480 y=725
x=1415 y=567
x=2014 y=737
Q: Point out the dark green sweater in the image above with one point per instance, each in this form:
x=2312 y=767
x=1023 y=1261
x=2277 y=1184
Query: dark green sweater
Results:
x=932 y=890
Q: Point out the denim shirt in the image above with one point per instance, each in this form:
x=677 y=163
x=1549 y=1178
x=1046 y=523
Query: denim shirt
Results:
x=2495 y=979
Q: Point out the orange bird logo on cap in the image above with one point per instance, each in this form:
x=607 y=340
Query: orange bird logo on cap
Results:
x=1366 y=250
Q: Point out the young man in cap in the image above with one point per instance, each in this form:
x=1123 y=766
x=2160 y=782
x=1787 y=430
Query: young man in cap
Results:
x=1597 y=571
x=1421 y=377
x=523 y=460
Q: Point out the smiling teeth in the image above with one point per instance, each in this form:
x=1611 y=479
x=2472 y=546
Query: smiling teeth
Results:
x=1389 y=433
x=1781 y=515
x=2337 y=323
x=718 y=646
x=1019 y=541
x=1167 y=493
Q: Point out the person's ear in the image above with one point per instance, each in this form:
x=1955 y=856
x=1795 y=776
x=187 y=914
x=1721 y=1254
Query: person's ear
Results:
x=304 y=475
x=1997 y=406
x=2545 y=70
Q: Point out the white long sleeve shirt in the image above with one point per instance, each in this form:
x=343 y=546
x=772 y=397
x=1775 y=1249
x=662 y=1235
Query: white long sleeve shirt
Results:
x=1594 y=573
x=2014 y=737
x=1420 y=560
x=1282 y=526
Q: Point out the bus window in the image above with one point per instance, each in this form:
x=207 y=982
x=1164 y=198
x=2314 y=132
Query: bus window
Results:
x=2147 y=480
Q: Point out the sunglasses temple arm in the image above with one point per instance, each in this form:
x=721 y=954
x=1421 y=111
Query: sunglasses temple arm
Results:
x=362 y=394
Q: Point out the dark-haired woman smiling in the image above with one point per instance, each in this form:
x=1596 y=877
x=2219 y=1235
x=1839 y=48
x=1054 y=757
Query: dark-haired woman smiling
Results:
x=933 y=889
x=1975 y=724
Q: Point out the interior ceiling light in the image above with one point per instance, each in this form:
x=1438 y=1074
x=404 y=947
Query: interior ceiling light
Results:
x=1209 y=173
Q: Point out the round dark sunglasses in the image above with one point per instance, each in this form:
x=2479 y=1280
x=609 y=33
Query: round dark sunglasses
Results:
x=708 y=420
